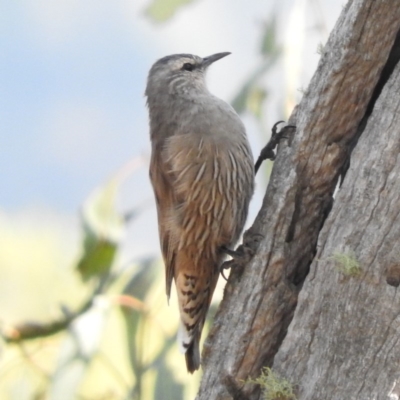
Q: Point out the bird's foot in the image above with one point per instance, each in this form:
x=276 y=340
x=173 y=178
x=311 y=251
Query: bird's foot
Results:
x=268 y=152
x=243 y=254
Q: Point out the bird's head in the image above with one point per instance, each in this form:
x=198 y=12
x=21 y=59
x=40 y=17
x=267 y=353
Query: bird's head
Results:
x=179 y=73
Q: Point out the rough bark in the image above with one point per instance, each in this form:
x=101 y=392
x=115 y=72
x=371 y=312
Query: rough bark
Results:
x=343 y=340
x=260 y=300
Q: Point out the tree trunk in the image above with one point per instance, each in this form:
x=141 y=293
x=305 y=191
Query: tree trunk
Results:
x=341 y=340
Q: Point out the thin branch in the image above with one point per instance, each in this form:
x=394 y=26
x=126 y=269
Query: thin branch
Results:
x=34 y=330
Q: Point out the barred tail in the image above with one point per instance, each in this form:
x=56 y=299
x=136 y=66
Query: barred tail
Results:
x=189 y=344
x=195 y=289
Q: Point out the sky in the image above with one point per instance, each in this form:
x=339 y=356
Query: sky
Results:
x=72 y=106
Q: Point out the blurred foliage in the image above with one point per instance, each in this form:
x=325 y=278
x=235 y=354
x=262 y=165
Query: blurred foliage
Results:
x=163 y=10
x=103 y=228
x=139 y=326
x=85 y=356
x=252 y=96
x=98 y=256
x=77 y=349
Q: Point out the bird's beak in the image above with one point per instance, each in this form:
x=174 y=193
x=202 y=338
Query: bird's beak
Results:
x=215 y=57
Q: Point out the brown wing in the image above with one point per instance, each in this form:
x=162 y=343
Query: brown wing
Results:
x=181 y=171
x=163 y=190
x=212 y=183
x=175 y=164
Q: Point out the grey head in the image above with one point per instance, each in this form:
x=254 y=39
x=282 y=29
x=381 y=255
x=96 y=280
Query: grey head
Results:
x=179 y=74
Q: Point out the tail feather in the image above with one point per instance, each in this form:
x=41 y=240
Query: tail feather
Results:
x=195 y=287
x=189 y=344
x=192 y=355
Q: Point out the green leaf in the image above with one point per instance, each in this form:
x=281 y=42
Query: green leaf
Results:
x=103 y=228
x=98 y=257
x=162 y=10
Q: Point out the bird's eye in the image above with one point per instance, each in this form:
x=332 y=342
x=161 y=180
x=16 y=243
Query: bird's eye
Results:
x=188 y=67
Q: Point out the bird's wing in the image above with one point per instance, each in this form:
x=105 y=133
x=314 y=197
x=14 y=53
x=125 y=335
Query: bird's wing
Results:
x=163 y=190
x=176 y=169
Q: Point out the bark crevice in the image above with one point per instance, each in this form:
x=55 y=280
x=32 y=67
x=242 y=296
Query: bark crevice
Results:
x=387 y=70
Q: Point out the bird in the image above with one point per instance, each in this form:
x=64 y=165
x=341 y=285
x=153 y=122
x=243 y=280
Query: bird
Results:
x=202 y=174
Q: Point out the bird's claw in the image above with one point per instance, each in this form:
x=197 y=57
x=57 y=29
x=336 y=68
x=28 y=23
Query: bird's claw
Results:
x=243 y=254
x=268 y=152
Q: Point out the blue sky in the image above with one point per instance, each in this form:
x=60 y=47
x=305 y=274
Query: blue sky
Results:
x=69 y=103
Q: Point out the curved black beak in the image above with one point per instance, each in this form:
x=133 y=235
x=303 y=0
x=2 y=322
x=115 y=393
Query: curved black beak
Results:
x=215 y=57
